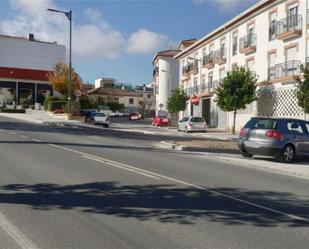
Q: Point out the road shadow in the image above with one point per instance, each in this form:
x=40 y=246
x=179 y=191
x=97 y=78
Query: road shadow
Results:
x=163 y=203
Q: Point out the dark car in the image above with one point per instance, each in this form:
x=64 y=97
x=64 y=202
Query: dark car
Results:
x=283 y=138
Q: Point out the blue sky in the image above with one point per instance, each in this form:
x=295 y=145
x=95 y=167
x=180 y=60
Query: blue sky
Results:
x=117 y=38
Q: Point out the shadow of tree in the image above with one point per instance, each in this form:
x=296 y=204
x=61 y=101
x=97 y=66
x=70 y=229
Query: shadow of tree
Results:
x=164 y=203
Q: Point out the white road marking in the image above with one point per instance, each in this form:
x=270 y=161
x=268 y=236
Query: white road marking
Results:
x=16 y=234
x=121 y=167
x=24 y=136
x=101 y=159
x=13 y=133
x=36 y=140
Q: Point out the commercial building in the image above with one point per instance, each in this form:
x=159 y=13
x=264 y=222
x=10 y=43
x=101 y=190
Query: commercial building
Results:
x=25 y=64
x=271 y=40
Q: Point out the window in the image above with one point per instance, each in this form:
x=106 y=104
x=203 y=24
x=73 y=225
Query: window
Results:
x=291 y=53
x=307 y=126
x=148 y=96
x=294 y=127
x=203 y=82
x=271 y=59
x=235 y=38
x=250 y=65
x=266 y=124
x=221 y=74
x=210 y=76
x=195 y=85
x=131 y=101
x=272 y=26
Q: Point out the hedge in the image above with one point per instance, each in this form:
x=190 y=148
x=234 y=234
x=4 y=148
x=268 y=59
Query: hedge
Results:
x=48 y=99
x=56 y=104
x=14 y=110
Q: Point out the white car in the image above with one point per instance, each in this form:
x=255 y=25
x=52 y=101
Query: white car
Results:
x=97 y=118
x=192 y=123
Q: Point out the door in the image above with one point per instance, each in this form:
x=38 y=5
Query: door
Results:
x=298 y=134
x=206 y=110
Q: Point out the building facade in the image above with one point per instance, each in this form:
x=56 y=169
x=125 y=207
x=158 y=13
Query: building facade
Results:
x=271 y=40
x=165 y=77
x=25 y=64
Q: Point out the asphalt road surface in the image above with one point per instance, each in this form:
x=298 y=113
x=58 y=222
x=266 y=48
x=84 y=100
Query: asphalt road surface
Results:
x=80 y=189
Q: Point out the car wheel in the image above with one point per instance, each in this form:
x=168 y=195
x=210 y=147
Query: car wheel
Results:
x=245 y=153
x=106 y=125
x=287 y=154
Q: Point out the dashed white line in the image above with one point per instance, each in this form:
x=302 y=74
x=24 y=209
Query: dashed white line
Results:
x=24 y=136
x=16 y=234
x=122 y=167
x=12 y=133
x=36 y=140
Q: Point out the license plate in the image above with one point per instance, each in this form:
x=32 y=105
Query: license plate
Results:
x=165 y=120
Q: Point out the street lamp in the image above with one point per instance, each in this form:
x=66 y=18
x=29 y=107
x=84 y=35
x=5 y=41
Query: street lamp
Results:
x=69 y=16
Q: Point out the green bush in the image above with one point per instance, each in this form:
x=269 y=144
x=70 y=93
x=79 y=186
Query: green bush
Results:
x=75 y=108
x=56 y=104
x=14 y=110
x=47 y=99
x=25 y=103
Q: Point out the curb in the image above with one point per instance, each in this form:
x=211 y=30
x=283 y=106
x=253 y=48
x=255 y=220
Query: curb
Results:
x=235 y=160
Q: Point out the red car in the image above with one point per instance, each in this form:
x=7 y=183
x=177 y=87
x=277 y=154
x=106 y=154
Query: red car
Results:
x=160 y=121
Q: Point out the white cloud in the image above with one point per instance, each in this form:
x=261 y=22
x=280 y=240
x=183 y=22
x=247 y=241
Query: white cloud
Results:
x=145 y=41
x=93 y=14
x=94 y=40
x=226 y=5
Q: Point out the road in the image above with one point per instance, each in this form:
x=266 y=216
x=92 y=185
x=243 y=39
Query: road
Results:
x=79 y=188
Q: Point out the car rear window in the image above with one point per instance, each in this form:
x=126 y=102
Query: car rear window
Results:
x=197 y=119
x=99 y=114
x=264 y=124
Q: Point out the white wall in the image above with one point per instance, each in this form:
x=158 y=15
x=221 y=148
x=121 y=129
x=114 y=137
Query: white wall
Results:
x=22 y=53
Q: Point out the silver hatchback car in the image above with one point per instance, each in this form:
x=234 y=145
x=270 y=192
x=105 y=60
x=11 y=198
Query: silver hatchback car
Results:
x=192 y=123
x=282 y=138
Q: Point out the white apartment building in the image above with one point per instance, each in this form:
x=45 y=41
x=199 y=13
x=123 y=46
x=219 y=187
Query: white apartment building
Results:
x=271 y=39
x=25 y=64
x=165 y=77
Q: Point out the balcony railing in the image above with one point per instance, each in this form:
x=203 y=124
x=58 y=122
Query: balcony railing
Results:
x=220 y=56
x=284 y=71
x=208 y=60
x=247 y=44
x=289 y=27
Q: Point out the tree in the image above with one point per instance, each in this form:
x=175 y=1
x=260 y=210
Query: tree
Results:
x=177 y=102
x=302 y=91
x=59 y=79
x=236 y=90
x=144 y=105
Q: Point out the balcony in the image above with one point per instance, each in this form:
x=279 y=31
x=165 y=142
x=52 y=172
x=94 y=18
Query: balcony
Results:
x=220 y=56
x=247 y=44
x=289 y=27
x=208 y=60
x=286 y=71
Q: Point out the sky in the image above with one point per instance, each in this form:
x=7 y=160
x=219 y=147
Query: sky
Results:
x=117 y=38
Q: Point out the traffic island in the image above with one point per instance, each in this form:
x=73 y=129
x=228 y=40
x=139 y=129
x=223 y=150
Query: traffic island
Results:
x=214 y=146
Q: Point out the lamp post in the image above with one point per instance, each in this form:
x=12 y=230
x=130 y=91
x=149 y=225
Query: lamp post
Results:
x=68 y=14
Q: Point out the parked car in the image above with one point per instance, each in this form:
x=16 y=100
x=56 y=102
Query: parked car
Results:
x=192 y=123
x=160 y=120
x=97 y=118
x=282 y=138
x=135 y=116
